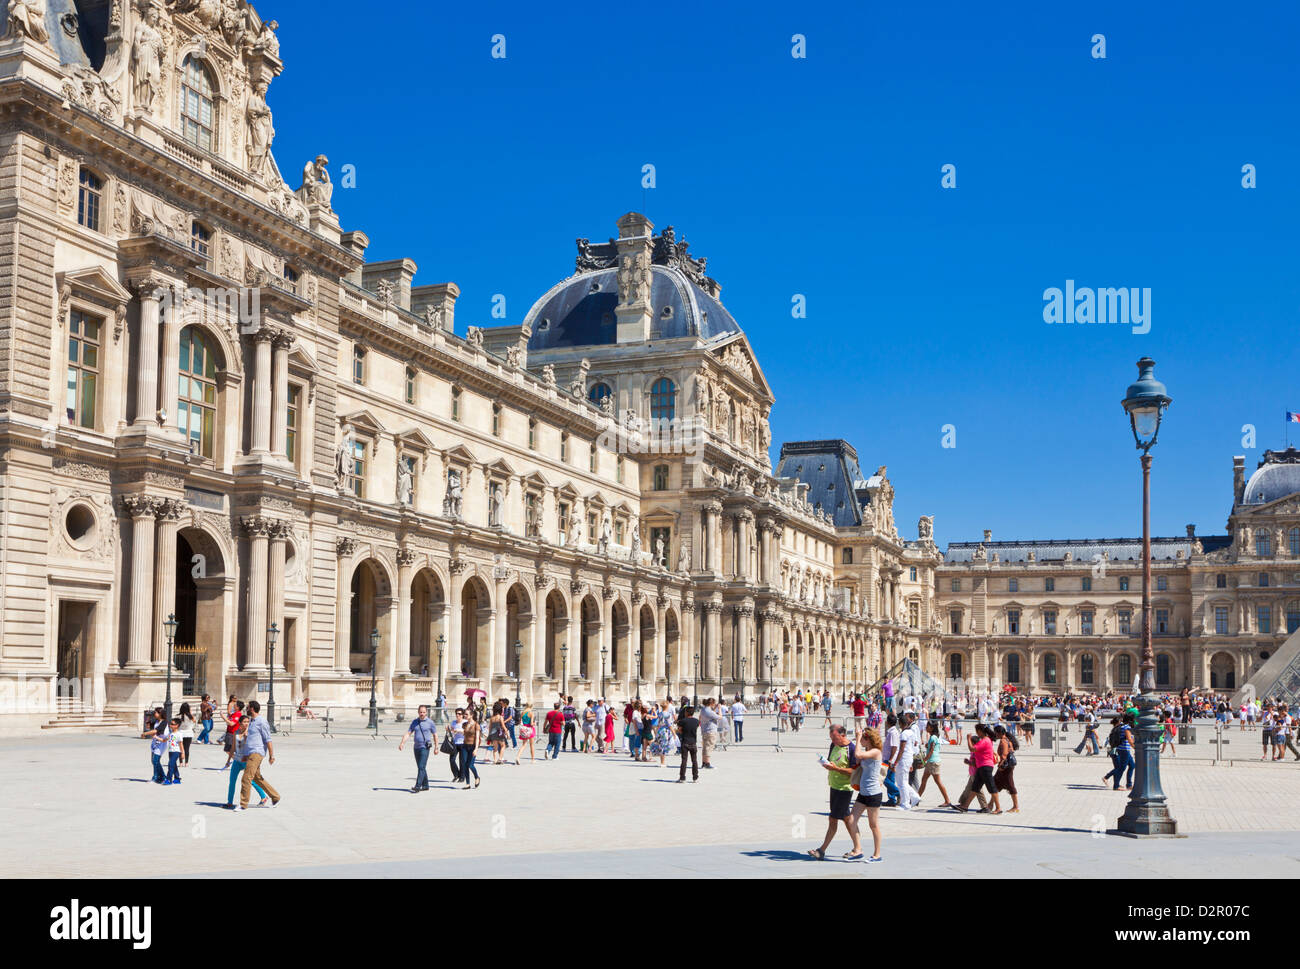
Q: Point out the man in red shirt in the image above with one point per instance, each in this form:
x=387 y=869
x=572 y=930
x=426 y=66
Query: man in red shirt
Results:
x=859 y=712
x=554 y=731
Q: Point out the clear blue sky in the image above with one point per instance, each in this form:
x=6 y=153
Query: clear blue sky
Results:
x=821 y=176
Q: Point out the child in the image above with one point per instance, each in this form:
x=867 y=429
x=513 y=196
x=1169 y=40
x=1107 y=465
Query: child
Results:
x=174 y=748
x=157 y=747
x=1168 y=736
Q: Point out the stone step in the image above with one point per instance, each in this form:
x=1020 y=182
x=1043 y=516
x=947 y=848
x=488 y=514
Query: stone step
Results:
x=86 y=721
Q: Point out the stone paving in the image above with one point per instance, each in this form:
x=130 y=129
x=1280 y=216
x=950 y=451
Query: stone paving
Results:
x=82 y=806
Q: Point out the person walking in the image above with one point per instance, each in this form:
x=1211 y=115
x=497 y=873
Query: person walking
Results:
x=839 y=767
x=467 y=749
x=688 y=729
x=870 y=789
x=1121 y=742
x=556 y=727
x=983 y=759
x=709 y=721
x=1089 y=735
x=859 y=713
x=904 y=756
x=738 y=719
x=511 y=717
x=237 y=768
x=454 y=737
x=421 y=733
x=497 y=734
x=158 y=749
x=827 y=702
x=259 y=748
x=206 y=712
x=930 y=763
x=527 y=731
x=1167 y=734
x=570 y=725
x=186 y=734
x=175 y=750
x=1004 y=778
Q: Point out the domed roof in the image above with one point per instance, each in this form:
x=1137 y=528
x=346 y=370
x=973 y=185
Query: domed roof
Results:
x=579 y=311
x=1278 y=475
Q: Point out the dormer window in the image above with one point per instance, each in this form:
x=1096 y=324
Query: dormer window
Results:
x=198 y=118
x=455 y=404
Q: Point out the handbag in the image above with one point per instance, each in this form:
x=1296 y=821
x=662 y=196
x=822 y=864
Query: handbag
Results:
x=447 y=747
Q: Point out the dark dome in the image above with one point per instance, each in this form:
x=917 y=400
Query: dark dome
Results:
x=579 y=311
x=1272 y=481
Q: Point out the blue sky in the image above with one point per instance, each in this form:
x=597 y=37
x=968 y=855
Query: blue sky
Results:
x=821 y=176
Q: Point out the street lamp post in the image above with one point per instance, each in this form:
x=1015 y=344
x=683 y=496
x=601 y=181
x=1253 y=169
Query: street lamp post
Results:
x=771 y=685
x=721 y=698
x=519 y=669
x=564 y=671
x=604 y=651
x=272 y=635
x=1147 y=813
x=825 y=664
x=668 y=672
x=171 y=645
x=637 y=656
x=437 y=697
x=744 y=660
x=374 y=672
x=695 y=693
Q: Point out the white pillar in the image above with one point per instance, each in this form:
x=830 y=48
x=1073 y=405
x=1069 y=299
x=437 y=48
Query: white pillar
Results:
x=146 y=382
x=262 y=391
x=280 y=379
x=141 y=509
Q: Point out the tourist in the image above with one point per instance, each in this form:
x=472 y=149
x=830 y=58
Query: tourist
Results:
x=589 y=727
x=421 y=733
x=186 y=733
x=827 y=702
x=467 y=748
x=983 y=758
x=648 y=717
x=526 y=734
x=606 y=715
x=234 y=715
x=839 y=768
x=796 y=717
x=888 y=750
x=497 y=733
x=1289 y=736
x=241 y=757
x=931 y=761
x=598 y=724
x=709 y=721
x=889 y=695
x=157 y=748
x=904 y=757
x=1121 y=743
x=1089 y=735
x=570 y=724
x=738 y=719
x=859 y=712
x=511 y=719
x=1167 y=734
x=688 y=728
x=259 y=747
x=783 y=714
x=206 y=712
x=454 y=737
x=870 y=768
x=555 y=728
x=1004 y=778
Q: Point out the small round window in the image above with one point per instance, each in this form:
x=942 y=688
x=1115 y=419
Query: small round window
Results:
x=80 y=525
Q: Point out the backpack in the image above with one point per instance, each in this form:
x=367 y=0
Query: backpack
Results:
x=1116 y=737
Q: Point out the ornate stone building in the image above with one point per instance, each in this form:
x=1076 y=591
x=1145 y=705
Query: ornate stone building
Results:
x=1060 y=615
x=213 y=408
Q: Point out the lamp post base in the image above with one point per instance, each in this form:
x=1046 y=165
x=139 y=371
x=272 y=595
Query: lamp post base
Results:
x=1147 y=814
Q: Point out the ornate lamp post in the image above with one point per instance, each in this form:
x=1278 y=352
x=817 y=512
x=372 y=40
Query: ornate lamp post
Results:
x=437 y=697
x=695 y=693
x=668 y=671
x=744 y=660
x=519 y=670
x=272 y=634
x=374 y=672
x=564 y=671
x=771 y=683
x=604 y=651
x=825 y=664
x=637 y=656
x=1147 y=813
x=171 y=645
x=721 y=698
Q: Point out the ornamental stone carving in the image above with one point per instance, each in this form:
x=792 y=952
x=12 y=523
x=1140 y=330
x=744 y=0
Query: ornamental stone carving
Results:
x=147 y=53
x=407 y=557
x=316 y=188
x=345 y=547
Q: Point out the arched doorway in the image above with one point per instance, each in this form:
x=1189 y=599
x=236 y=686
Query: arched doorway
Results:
x=201 y=641
x=519 y=629
x=428 y=612
x=555 y=632
x=672 y=650
x=1223 y=673
x=475 y=629
x=620 y=659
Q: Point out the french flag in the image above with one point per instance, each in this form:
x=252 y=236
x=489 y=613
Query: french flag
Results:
x=1292 y=418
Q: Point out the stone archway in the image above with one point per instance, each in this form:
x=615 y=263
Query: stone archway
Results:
x=1223 y=672
x=204 y=597
x=475 y=629
x=555 y=634
x=427 y=623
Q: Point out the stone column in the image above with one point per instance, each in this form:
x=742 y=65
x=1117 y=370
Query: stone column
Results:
x=406 y=559
x=500 y=662
x=713 y=540
x=259 y=532
x=279 y=546
x=713 y=641
x=168 y=516
x=141 y=508
x=262 y=390
x=280 y=378
x=455 y=623
x=567 y=669
x=171 y=357
x=661 y=643
x=343 y=607
x=631 y=670
x=151 y=293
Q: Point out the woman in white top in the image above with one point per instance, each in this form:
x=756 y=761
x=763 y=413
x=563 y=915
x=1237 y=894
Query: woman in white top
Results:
x=186 y=733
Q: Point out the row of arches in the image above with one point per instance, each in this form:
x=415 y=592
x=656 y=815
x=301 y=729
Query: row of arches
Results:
x=1089 y=671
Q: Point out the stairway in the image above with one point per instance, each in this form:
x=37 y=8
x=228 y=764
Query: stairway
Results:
x=71 y=718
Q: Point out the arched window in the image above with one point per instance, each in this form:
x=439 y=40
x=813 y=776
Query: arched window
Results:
x=198 y=118
x=1163 y=674
x=663 y=400
x=598 y=392
x=90 y=195
x=196 y=412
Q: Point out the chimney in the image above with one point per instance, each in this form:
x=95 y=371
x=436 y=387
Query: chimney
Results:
x=635 y=246
x=356 y=242
x=1238 y=478
x=440 y=298
x=398 y=272
x=1191 y=531
x=988 y=534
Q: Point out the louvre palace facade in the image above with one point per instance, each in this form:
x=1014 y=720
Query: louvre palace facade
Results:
x=229 y=440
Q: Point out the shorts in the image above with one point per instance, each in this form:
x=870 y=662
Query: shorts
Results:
x=228 y=743
x=931 y=770
x=870 y=800
x=841 y=803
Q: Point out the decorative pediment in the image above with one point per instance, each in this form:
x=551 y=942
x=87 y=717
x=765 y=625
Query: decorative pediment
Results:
x=566 y=490
x=499 y=467
x=96 y=283
x=363 y=421
x=414 y=439
x=300 y=359
x=534 y=480
x=459 y=454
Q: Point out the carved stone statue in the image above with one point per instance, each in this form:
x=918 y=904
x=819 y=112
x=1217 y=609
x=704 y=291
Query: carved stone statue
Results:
x=1067 y=626
x=575 y=532
x=452 y=505
x=27 y=19
x=474 y=337
x=636 y=543
x=548 y=375
x=405 y=482
x=606 y=532
x=661 y=557
x=343 y=457
x=494 y=505
x=146 y=60
x=925 y=528
x=260 y=130
x=607 y=405
x=1105 y=626
x=316 y=188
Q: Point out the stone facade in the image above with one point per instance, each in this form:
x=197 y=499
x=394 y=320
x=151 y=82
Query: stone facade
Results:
x=213 y=408
x=1062 y=615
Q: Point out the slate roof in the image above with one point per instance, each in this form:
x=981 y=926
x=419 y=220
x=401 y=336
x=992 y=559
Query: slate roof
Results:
x=1277 y=476
x=1083 y=549
x=831 y=471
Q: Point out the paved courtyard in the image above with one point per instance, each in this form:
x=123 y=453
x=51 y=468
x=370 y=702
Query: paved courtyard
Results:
x=82 y=806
